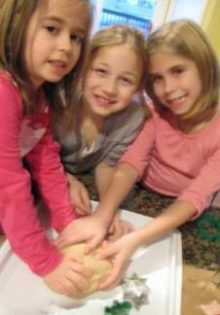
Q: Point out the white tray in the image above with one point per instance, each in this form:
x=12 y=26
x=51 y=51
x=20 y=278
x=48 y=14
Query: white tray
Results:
x=23 y=293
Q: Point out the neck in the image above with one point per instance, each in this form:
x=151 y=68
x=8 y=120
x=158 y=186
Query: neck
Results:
x=87 y=115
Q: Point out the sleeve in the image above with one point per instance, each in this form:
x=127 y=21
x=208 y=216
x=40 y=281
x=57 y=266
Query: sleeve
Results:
x=125 y=128
x=138 y=153
x=202 y=188
x=18 y=215
x=47 y=170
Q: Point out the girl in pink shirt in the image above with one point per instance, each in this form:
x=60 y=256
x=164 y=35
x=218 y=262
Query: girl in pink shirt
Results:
x=177 y=153
x=41 y=51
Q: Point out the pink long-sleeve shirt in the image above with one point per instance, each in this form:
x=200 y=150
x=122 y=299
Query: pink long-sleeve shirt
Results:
x=186 y=166
x=28 y=136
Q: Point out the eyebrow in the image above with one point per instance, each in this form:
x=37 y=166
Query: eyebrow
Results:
x=60 y=21
x=130 y=74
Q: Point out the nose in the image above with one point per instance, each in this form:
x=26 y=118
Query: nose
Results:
x=65 y=43
x=110 y=86
x=169 y=84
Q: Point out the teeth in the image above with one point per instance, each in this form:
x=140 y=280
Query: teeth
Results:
x=59 y=63
x=104 y=100
x=177 y=98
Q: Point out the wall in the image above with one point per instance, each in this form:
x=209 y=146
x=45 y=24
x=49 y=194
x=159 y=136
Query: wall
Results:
x=211 y=24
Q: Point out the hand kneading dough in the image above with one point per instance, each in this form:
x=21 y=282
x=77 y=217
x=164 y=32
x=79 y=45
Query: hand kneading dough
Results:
x=100 y=268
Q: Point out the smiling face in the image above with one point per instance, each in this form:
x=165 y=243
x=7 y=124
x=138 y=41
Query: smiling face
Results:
x=175 y=80
x=54 y=39
x=113 y=77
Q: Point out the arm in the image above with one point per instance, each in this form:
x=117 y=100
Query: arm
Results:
x=192 y=201
x=103 y=177
x=18 y=216
x=98 y=223
x=104 y=174
x=123 y=249
x=128 y=171
x=85 y=229
x=122 y=181
x=79 y=195
x=47 y=170
x=201 y=190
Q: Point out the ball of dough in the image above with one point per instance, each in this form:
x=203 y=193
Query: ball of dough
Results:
x=100 y=268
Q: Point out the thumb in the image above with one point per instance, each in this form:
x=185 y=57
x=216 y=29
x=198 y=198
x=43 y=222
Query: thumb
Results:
x=106 y=252
x=70 y=239
x=93 y=243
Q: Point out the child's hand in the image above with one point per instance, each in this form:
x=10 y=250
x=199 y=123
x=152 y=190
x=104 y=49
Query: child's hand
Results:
x=91 y=229
x=120 y=252
x=118 y=228
x=70 y=278
x=79 y=196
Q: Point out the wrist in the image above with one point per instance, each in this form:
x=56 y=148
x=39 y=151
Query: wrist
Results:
x=105 y=217
x=71 y=178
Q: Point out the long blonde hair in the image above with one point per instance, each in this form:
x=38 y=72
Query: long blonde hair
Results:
x=113 y=36
x=118 y=35
x=15 y=17
x=186 y=38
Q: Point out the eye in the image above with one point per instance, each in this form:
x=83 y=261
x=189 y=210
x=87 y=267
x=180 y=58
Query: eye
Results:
x=100 y=71
x=76 y=38
x=178 y=70
x=52 y=29
x=155 y=79
x=126 y=81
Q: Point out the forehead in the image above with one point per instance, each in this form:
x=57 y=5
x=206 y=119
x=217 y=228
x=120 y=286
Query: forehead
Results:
x=72 y=12
x=123 y=54
x=164 y=60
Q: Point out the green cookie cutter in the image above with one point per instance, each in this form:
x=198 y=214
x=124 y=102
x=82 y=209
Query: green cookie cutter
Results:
x=208 y=227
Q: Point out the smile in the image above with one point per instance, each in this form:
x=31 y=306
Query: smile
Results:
x=57 y=64
x=103 y=101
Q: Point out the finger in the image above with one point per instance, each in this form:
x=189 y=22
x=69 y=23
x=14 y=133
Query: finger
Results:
x=63 y=241
x=71 y=290
x=78 y=281
x=81 y=206
x=117 y=233
x=81 y=211
x=80 y=268
x=105 y=253
x=86 y=201
x=111 y=228
x=128 y=227
x=94 y=243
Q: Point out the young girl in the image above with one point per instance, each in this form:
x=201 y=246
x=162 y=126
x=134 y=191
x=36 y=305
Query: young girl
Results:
x=177 y=153
x=106 y=119
x=41 y=43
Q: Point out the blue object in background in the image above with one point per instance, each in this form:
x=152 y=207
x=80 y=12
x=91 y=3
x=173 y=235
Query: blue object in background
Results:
x=137 y=13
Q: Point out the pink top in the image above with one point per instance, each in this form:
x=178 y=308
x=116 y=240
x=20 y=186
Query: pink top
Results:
x=28 y=136
x=176 y=164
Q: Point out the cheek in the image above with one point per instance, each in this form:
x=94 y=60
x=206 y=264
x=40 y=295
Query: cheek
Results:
x=76 y=56
x=127 y=97
x=157 y=91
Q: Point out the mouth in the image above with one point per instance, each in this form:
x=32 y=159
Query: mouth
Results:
x=58 y=64
x=104 y=101
x=178 y=100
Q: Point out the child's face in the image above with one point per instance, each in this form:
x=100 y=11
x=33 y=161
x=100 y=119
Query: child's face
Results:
x=176 y=81
x=54 y=39
x=112 y=79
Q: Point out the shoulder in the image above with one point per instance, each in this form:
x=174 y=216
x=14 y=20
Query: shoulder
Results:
x=134 y=114
x=8 y=86
x=9 y=92
x=7 y=81
x=124 y=125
